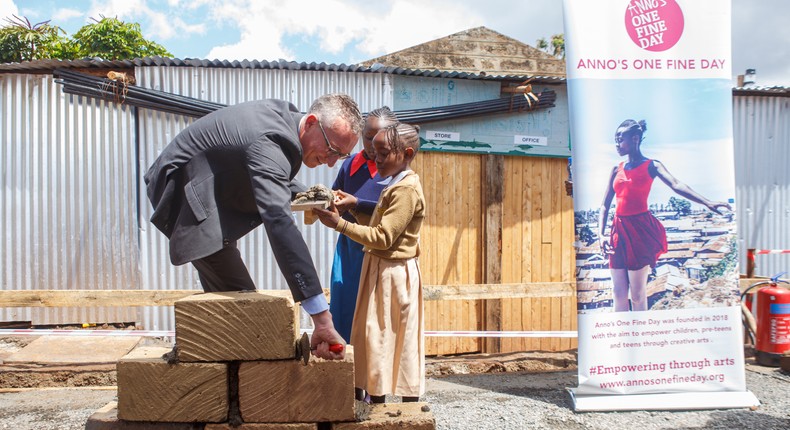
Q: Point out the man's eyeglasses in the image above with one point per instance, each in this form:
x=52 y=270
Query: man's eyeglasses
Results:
x=332 y=150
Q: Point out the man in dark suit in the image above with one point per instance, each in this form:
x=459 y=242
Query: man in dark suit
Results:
x=232 y=170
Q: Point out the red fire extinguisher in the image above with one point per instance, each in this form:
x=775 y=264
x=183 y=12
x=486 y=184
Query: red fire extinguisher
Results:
x=771 y=309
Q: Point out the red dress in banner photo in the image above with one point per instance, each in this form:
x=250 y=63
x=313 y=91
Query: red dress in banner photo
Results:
x=638 y=238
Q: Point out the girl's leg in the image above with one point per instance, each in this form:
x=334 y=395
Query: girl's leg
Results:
x=359 y=394
x=409 y=399
x=637 y=279
x=377 y=399
x=620 y=292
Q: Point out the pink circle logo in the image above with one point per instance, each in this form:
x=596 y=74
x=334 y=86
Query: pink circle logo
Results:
x=654 y=25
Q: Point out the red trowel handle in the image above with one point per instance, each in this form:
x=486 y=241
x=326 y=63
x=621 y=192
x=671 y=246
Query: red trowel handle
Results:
x=337 y=348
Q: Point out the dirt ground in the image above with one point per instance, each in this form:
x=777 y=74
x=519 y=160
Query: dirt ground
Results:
x=503 y=391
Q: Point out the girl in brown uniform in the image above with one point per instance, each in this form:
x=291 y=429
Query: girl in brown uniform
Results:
x=387 y=331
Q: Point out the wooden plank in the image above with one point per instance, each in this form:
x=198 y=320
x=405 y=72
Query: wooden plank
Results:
x=556 y=322
x=498 y=291
x=92 y=298
x=472 y=220
x=493 y=178
x=441 y=170
x=537 y=320
x=566 y=315
x=536 y=265
x=545 y=309
x=470 y=223
x=511 y=222
x=308 y=206
x=455 y=264
x=428 y=245
x=745 y=283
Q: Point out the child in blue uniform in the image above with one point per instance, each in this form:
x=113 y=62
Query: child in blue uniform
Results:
x=358 y=177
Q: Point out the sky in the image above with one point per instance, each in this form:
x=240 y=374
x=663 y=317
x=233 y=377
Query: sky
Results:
x=673 y=135
x=351 y=31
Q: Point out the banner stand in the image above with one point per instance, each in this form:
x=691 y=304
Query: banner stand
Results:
x=663 y=401
x=658 y=298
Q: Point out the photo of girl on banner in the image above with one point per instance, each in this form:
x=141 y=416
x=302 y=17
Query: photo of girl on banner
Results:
x=637 y=237
x=655 y=227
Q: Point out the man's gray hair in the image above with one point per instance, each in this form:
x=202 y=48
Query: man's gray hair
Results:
x=331 y=107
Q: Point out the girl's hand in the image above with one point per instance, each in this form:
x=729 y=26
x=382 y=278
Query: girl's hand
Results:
x=328 y=217
x=606 y=245
x=344 y=201
x=718 y=206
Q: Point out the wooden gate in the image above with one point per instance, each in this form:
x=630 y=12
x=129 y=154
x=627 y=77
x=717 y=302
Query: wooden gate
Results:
x=510 y=223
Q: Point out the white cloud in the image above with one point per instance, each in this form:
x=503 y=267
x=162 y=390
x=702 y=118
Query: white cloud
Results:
x=7 y=8
x=65 y=14
x=410 y=23
x=159 y=25
x=264 y=24
x=122 y=9
x=335 y=24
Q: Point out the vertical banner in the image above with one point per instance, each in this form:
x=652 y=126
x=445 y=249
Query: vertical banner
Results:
x=650 y=95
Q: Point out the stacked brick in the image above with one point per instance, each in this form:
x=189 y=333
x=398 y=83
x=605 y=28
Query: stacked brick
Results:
x=235 y=366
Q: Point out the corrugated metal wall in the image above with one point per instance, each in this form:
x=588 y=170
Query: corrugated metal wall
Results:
x=73 y=211
x=761 y=128
x=231 y=86
x=68 y=216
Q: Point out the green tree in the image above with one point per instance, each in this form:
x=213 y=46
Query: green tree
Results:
x=586 y=235
x=112 y=39
x=555 y=46
x=726 y=265
x=108 y=38
x=681 y=206
x=23 y=41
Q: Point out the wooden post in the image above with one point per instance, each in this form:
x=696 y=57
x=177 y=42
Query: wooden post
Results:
x=750 y=263
x=493 y=180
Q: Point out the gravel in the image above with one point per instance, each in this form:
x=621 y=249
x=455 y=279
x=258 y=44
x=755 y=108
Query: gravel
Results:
x=480 y=401
x=529 y=400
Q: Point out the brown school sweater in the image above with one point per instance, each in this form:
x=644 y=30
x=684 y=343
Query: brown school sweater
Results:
x=393 y=231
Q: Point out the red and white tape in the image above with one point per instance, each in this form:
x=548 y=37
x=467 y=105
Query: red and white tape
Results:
x=772 y=251
x=171 y=333
x=62 y=332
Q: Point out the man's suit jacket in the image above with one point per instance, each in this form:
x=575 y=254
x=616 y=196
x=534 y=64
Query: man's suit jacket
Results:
x=224 y=175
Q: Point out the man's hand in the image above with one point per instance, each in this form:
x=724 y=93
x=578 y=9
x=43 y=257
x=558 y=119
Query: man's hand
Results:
x=324 y=335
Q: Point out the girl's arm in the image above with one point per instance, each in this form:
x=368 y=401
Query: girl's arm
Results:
x=399 y=207
x=684 y=190
x=344 y=201
x=603 y=216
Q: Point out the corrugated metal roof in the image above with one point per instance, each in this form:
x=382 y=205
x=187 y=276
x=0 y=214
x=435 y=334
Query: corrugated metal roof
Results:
x=762 y=91
x=47 y=66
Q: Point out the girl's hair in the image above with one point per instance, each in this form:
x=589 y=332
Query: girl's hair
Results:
x=401 y=136
x=384 y=114
x=632 y=126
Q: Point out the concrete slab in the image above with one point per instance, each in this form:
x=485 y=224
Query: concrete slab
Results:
x=58 y=350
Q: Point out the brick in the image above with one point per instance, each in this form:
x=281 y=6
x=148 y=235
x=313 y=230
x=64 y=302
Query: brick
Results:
x=236 y=326
x=288 y=391
x=264 y=426
x=394 y=416
x=106 y=418
x=150 y=389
